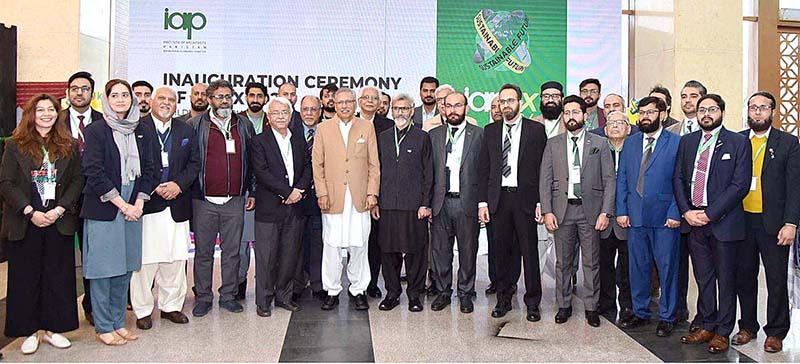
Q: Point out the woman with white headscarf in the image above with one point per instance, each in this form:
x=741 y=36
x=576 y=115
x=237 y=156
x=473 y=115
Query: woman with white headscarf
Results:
x=120 y=175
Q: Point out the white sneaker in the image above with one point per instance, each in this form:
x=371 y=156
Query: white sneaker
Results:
x=57 y=340
x=31 y=344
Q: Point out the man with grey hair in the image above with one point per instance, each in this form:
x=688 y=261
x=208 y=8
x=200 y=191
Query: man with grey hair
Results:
x=347 y=179
x=441 y=93
x=283 y=179
x=224 y=146
x=368 y=102
x=165 y=222
x=614 y=102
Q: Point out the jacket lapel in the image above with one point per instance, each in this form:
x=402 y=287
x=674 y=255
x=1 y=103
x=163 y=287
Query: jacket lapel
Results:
x=587 y=148
x=773 y=143
x=272 y=144
x=659 y=147
x=723 y=136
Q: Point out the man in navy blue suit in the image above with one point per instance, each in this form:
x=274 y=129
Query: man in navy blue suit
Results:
x=646 y=205
x=712 y=176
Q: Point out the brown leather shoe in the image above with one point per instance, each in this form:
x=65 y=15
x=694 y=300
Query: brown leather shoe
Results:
x=144 y=323
x=742 y=337
x=697 y=337
x=718 y=344
x=175 y=316
x=773 y=344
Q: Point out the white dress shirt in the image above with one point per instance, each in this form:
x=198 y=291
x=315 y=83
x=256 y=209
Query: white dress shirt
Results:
x=551 y=127
x=655 y=140
x=74 y=122
x=425 y=115
x=708 y=169
x=689 y=123
x=574 y=174
x=285 y=145
x=453 y=162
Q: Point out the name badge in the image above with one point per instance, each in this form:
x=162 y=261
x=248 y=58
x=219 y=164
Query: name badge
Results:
x=230 y=146
x=49 y=191
x=753 y=183
x=164 y=159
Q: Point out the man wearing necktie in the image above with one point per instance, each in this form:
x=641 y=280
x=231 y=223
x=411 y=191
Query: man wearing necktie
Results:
x=646 y=206
x=691 y=92
x=771 y=208
x=509 y=192
x=713 y=173
x=577 y=198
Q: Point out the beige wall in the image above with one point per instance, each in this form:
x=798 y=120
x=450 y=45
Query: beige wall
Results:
x=675 y=42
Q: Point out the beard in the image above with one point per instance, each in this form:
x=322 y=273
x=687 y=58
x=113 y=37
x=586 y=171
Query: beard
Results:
x=573 y=125
x=759 y=126
x=329 y=109
x=200 y=106
x=550 y=110
x=255 y=107
x=712 y=126
x=224 y=112
x=510 y=114
x=401 y=122
x=164 y=114
x=144 y=108
x=456 y=119
x=650 y=127
x=590 y=102
x=429 y=102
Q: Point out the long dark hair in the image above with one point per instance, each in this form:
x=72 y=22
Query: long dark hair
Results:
x=58 y=141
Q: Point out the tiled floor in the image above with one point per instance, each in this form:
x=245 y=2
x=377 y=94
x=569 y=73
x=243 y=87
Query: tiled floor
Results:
x=399 y=335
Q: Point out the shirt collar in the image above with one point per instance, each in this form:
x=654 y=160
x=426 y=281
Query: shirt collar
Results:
x=765 y=135
x=515 y=121
x=714 y=131
x=306 y=128
x=458 y=127
x=580 y=136
x=280 y=137
x=222 y=122
x=162 y=126
x=86 y=114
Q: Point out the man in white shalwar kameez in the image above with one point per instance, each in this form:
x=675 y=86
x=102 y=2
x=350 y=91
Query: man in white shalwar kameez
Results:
x=165 y=223
x=347 y=180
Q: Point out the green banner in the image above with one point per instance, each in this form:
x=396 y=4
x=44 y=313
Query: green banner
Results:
x=483 y=45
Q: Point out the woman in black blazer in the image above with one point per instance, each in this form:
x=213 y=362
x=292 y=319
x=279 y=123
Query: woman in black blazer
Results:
x=120 y=176
x=40 y=181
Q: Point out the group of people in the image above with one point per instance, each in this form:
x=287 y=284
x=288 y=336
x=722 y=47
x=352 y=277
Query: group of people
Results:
x=321 y=185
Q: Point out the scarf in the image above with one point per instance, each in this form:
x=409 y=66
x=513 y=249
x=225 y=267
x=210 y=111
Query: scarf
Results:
x=125 y=138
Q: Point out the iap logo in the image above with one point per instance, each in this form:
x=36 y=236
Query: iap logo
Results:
x=502 y=40
x=186 y=21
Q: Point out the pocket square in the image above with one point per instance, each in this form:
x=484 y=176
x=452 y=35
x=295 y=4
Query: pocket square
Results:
x=184 y=142
x=360 y=141
x=726 y=156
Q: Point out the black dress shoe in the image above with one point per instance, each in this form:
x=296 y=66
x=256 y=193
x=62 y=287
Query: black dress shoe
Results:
x=144 y=323
x=563 y=315
x=263 y=311
x=681 y=316
x=241 y=292
x=361 y=302
x=201 y=309
x=296 y=297
x=231 y=306
x=320 y=295
x=664 y=328
x=593 y=318
x=176 y=317
x=432 y=291
x=633 y=322
x=465 y=304
x=534 y=314
x=492 y=289
x=441 y=301
x=415 y=305
x=374 y=292
x=626 y=314
x=695 y=325
x=289 y=306
x=330 y=303
x=499 y=310
x=389 y=303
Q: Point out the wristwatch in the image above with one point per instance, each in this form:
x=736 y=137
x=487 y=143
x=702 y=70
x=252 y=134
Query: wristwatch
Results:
x=30 y=214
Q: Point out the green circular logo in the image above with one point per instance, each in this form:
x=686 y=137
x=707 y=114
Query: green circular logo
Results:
x=502 y=41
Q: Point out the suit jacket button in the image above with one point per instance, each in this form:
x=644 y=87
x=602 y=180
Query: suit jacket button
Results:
x=347 y=159
x=345 y=183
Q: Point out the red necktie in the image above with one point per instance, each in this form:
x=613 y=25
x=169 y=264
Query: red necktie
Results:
x=82 y=129
x=700 y=175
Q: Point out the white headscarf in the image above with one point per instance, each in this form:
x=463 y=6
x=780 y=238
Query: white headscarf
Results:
x=124 y=138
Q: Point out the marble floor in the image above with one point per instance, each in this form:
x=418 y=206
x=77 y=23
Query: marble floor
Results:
x=345 y=335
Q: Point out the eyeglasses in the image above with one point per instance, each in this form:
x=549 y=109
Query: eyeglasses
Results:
x=508 y=101
x=309 y=109
x=345 y=102
x=616 y=122
x=401 y=108
x=572 y=112
x=220 y=97
x=590 y=92
x=83 y=89
x=453 y=106
x=650 y=113
x=369 y=98
x=554 y=97
x=762 y=108
x=441 y=98
x=710 y=110
x=279 y=113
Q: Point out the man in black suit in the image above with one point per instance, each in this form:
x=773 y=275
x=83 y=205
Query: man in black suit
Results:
x=282 y=168
x=288 y=91
x=508 y=191
x=368 y=101
x=311 y=113
x=165 y=222
x=80 y=91
x=713 y=173
x=427 y=93
x=772 y=210
x=455 y=153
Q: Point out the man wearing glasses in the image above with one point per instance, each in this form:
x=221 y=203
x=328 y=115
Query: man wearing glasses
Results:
x=224 y=145
x=347 y=179
x=771 y=210
x=550 y=105
x=80 y=91
x=713 y=174
x=590 y=93
x=442 y=92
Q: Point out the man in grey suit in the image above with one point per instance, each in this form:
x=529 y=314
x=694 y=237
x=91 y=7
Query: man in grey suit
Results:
x=576 y=188
x=456 y=145
x=427 y=93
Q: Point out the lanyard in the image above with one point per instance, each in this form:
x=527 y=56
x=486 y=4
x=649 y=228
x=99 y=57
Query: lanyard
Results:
x=398 y=141
x=46 y=161
x=554 y=128
x=259 y=127
x=224 y=129
x=454 y=138
x=703 y=146
x=169 y=131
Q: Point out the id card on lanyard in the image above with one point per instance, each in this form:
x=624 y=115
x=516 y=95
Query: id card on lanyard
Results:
x=759 y=151
x=164 y=154
x=49 y=180
x=230 y=143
